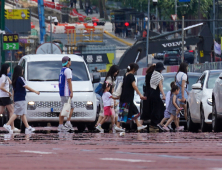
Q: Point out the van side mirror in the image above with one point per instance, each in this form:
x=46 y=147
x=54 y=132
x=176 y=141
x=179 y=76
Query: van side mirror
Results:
x=96 y=78
x=197 y=86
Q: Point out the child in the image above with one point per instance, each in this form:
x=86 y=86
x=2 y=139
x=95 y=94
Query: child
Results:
x=108 y=107
x=173 y=109
x=19 y=87
x=166 y=112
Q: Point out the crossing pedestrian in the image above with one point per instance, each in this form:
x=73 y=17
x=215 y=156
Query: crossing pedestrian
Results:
x=173 y=109
x=154 y=106
x=66 y=92
x=5 y=95
x=182 y=81
x=127 y=109
x=19 y=87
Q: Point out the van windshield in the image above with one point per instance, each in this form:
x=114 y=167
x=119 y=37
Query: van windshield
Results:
x=50 y=70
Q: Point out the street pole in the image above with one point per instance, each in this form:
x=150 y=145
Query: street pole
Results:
x=148 y=31
x=176 y=18
x=214 y=19
x=51 y=33
x=182 y=56
x=2 y=27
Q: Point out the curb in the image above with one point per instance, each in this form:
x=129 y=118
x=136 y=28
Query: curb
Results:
x=118 y=39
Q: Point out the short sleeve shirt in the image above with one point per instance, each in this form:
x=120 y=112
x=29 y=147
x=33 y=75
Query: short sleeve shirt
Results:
x=127 y=89
x=19 y=90
x=182 y=76
x=107 y=100
x=4 y=79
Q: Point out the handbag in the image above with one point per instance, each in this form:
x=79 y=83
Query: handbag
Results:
x=118 y=91
x=66 y=108
x=99 y=89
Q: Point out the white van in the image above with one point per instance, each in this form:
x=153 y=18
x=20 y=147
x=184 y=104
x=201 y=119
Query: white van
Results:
x=41 y=71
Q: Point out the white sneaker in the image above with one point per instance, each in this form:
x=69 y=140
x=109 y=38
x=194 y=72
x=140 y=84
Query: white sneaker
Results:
x=30 y=129
x=16 y=130
x=113 y=129
x=63 y=129
x=100 y=128
x=119 y=129
x=69 y=126
x=7 y=127
x=141 y=127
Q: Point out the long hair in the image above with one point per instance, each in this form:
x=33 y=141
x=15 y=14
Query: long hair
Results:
x=174 y=88
x=113 y=69
x=183 y=68
x=4 y=69
x=150 y=69
x=17 y=73
x=132 y=66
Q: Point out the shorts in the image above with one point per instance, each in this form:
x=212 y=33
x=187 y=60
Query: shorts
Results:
x=107 y=111
x=5 y=101
x=64 y=99
x=20 y=108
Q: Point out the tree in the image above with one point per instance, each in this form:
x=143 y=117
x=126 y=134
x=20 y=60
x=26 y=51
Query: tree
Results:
x=101 y=13
x=104 y=10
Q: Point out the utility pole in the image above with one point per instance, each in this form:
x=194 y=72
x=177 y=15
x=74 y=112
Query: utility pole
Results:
x=175 y=24
x=2 y=27
x=148 y=31
x=214 y=19
x=51 y=33
x=182 y=56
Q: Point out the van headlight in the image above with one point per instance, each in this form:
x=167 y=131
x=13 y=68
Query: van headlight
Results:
x=89 y=105
x=31 y=105
x=209 y=101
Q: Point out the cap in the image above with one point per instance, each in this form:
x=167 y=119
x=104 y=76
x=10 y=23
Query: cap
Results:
x=65 y=60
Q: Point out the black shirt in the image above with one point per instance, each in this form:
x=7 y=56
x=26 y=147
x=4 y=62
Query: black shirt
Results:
x=127 y=89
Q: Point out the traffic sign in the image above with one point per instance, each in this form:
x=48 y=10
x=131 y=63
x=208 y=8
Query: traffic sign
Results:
x=10 y=42
x=17 y=14
x=174 y=17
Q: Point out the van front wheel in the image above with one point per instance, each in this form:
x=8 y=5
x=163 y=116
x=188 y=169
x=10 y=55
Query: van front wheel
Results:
x=81 y=127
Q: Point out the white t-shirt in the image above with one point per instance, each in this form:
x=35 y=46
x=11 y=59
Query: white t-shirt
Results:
x=4 y=79
x=68 y=75
x=107 y=101
x=184 y=77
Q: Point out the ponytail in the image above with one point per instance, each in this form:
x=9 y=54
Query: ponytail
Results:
x=132 y=66
x=174 y=88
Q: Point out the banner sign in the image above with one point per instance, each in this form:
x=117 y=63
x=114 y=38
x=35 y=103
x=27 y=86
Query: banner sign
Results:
x=17 y=14
x=41 y=20
x=95 y=58
x=10 y=42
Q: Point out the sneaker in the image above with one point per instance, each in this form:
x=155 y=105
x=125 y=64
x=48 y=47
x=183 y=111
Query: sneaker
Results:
x=30 y=129
x=141 y=127
x=63 y=128
x=100 y=128
x=160 y=127
x=166 y=128
x=170 y=127
x=179 y=129
x=113 y=129
x=16 y=130
x=119 y=129
x=68 y=125
x=7 y=127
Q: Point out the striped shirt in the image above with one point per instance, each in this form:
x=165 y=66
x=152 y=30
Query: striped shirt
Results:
x=155 y=79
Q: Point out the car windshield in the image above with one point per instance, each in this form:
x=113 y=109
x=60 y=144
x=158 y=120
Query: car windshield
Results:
x=172 y=52
x=212 y=78
x=50 y=70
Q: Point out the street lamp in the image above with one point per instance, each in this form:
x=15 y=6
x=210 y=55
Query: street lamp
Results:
x=148 y=31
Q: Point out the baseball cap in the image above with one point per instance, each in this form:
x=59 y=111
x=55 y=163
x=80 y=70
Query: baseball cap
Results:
x=65 y=60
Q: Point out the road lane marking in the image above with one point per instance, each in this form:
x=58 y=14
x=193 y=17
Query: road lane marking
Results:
x=125 y=160
x=37 y=152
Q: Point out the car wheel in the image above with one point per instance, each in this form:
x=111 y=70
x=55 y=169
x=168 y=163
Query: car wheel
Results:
x=81 y=127
x=203 y=126
x=192 y=127
x=215 y=122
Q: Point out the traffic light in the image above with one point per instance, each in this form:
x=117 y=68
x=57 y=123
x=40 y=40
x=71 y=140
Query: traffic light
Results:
x=126 y=24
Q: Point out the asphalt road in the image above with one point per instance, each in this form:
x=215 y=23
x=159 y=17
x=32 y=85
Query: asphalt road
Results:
x=51 y=150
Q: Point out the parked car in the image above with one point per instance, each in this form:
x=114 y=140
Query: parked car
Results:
x=172 y=57
x=199 y=104
x=159 y=56
x=41 y=72
x=189 y=56
x=216 y=105
x=170 y=77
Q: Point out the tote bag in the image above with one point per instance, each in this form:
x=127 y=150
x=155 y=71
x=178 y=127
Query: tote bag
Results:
x=66 y=108
x=99 y=89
